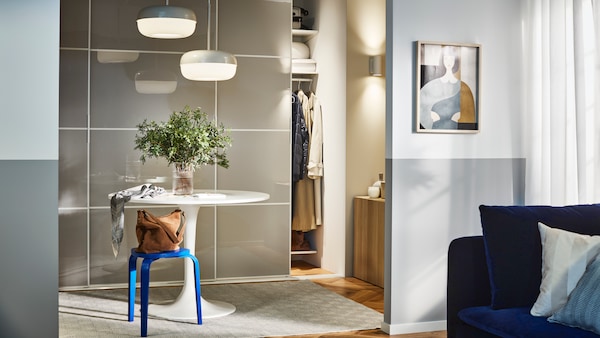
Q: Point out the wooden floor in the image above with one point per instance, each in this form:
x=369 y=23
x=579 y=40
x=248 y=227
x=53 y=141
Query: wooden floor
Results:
x=359 y=291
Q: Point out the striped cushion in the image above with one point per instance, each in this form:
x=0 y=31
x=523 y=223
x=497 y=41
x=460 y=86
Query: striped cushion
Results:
x=583 y=307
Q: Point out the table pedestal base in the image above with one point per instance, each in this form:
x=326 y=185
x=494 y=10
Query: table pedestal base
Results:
x=187 y=310
x=184 y=306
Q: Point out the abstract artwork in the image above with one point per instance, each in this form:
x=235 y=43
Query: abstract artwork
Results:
x=447 y=95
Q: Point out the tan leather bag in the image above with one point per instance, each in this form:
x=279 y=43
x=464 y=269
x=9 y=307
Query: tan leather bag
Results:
x=159 y=233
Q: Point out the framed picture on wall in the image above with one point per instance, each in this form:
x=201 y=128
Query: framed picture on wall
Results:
x=447 y=95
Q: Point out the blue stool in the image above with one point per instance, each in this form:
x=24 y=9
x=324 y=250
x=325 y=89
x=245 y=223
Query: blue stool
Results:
x=145 y=281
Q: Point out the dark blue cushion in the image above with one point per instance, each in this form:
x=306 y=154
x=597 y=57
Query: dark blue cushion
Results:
x=517 y=322
x=514 y=250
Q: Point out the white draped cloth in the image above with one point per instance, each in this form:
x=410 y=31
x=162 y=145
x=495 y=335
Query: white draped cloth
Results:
x=561 y=101
x=117 y=210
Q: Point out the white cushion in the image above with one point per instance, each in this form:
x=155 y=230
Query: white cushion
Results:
x=300 y=51
x=565 y=256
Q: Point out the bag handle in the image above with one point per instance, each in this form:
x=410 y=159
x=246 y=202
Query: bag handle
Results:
x=181 y=224
x=172 y=236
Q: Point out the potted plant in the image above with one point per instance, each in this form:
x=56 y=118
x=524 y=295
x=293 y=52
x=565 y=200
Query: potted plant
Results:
x=187 y=140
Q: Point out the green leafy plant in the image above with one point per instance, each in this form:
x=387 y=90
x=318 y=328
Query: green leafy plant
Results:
x=187 y=138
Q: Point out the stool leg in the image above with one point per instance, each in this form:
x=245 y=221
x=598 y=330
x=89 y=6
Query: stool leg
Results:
x=131 y=294
x=198 y=291
x=145 y=286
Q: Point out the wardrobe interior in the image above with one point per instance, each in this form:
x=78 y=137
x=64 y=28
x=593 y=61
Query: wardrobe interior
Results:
x=318 y=68
x=343 y=37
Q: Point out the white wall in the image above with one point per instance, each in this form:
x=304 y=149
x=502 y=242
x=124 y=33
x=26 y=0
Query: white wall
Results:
x=29 y=85
x=331 y=23
x=437 y=181
x=493 y=24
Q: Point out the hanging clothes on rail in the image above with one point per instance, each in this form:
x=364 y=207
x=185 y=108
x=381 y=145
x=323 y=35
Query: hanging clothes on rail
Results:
x=315 y=153
x=299 y=141
x=307 y=191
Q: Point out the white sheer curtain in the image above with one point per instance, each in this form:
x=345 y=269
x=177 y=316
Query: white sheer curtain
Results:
x=561 y=112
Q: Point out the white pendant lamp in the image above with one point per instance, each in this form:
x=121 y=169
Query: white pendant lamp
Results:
x=166 y=22
x=208 y=65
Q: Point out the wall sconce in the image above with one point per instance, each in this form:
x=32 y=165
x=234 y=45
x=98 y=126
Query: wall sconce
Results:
x=376 y=65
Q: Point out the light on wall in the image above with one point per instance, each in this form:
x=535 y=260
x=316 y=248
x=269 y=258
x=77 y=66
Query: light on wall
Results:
x=166 y=22
x=208 y=65
x=376 y=65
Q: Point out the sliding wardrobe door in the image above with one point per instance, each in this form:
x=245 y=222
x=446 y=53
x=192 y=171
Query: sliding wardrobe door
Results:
x=253 y=240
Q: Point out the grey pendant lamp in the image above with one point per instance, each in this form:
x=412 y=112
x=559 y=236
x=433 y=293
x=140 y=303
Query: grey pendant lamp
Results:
x=208 y=65
x=166 y=22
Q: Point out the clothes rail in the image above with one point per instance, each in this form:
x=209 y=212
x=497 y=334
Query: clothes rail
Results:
x=301 y=80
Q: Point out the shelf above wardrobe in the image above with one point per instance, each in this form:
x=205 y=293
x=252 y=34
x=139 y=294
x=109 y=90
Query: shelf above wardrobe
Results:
x=304 y=35
x=304 y=66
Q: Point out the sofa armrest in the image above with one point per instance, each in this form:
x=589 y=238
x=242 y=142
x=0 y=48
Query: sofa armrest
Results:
x=468 y=279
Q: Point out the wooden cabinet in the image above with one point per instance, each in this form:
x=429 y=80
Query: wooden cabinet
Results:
x=369 y=230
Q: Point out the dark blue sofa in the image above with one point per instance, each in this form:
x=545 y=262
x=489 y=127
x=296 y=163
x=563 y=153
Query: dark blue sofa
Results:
x=494 y=279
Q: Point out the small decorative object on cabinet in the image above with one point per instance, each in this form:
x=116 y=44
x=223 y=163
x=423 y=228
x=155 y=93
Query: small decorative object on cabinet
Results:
x=369 y=228
x=373 y=191
x=187 y=140
x=381 y=184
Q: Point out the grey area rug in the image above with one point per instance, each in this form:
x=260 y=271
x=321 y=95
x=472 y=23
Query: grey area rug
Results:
x=262 y=310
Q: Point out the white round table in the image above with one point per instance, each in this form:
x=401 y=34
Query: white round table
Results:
x=184 y=307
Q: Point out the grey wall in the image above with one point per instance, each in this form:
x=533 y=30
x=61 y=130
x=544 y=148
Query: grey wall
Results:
x=434 y=201
x=29 y=248
x=435 y=182
x=29 y=168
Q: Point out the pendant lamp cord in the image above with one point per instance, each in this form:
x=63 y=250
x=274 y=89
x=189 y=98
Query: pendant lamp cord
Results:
x=208 y=28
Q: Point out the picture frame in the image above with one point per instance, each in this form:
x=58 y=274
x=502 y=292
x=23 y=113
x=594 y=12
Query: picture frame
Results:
x=447 y=87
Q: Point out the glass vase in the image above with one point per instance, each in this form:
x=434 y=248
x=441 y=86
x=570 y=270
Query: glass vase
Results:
x=183 y=179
